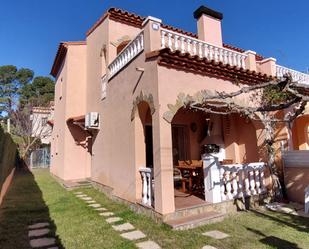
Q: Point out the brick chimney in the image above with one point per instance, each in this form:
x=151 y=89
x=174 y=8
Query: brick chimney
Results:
x=209 y=25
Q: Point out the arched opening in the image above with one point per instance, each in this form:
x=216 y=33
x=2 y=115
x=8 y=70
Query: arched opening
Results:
x=193 y=131
x=144 y=154
x=145 y=119
x=122 y=45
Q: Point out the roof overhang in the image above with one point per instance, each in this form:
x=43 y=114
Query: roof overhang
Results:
x=61 y=54
x=194 y=64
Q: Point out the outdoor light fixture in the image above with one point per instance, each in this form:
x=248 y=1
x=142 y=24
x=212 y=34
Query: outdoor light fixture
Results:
x=140 y=69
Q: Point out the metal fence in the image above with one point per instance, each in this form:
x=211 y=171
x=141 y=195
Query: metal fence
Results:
x=40 y=158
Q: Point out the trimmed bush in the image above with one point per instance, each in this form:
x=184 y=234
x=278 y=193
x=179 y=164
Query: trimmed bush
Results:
x=8 y=155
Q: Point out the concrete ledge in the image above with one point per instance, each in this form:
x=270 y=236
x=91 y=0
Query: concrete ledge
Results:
x=72 y=184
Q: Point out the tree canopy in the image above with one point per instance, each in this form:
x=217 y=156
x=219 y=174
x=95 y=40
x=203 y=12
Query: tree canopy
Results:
x=39 y=93
x=11 y=81
x=19 y=87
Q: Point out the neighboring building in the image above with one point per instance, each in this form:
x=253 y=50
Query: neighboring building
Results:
x=119 y=119
x=41 y=119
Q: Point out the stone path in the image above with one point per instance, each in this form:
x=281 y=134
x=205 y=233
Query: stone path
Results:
x=125 y=228
x=216 y=234
x=37 y=234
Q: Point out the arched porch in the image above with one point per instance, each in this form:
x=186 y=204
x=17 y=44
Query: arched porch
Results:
x=192 y=130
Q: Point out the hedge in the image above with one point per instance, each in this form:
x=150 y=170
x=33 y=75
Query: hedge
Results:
x=8 y=155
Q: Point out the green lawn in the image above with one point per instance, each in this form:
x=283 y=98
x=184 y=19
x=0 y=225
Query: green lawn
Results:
x=41 y=198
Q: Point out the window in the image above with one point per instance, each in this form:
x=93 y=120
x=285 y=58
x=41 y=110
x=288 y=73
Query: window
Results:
x=122 y=45
x=104 y=87
x=44 y=121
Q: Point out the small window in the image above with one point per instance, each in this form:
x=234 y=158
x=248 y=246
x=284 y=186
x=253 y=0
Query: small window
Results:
x=103 y=87
x=44 y=121
x=122 y=45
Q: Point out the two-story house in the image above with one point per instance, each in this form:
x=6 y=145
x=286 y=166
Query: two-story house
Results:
x=119 y=119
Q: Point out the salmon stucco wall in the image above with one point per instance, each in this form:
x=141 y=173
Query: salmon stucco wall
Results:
x=69 y=160
x=300 y=133
x=101 y=50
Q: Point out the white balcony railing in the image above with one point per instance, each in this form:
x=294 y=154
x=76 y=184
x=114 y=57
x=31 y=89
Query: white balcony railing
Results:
x=134 y=48
x=187 y=44
x=227 y=182
x=147 y=188
x=301 y=78
x=240 y=180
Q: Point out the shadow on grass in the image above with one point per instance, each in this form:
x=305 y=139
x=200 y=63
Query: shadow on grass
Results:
x=296 y=222
x=273 y=241
x=23 y=205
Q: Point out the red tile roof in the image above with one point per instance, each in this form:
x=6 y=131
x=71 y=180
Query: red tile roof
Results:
x=202 y=66
x=132 y=19
x=128 y=18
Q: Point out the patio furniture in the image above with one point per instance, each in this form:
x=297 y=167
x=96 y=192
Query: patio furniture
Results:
x=227 y=161
x=191 y=172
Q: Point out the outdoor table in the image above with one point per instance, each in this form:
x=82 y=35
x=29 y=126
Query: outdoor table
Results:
x=191 y=169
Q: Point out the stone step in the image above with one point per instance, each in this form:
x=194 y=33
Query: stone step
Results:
x=193 y=221
x=225 y=207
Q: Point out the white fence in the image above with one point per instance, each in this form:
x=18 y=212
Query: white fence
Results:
x=187 y=44
x=226 y=182
x=133 y=49
x=40 y=158
x=297 y=76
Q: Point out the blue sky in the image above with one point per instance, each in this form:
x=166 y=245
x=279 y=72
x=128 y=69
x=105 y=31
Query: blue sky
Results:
x=30 y=30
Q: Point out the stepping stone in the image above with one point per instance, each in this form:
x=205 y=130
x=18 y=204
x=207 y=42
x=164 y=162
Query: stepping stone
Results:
x=38 y=232
x=90 y=202
x=209 y=247
x=96 y=205
x=106 y=214
x=78 y=193
x=113 y=219
x=123 y=227
x=134 y=235
x=216 y=234
x=100 y=209
x=38 y=225
x=148 y=245
x=80 y=196
x=42 y=242
x=86 y=198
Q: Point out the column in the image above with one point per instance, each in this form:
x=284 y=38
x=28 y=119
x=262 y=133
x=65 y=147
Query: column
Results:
x=163 y=165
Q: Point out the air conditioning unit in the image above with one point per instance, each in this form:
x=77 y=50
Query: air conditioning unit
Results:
x=92 y=120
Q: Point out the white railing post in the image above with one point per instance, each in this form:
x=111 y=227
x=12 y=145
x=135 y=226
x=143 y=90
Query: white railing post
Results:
x=228 y=185
x=147 y=191
x=222 y=185
x=307 y=200
x=212 y=181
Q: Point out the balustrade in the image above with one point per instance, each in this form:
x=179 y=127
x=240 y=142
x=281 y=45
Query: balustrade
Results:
x=297 y=76
x=147 y=189
x=233 y=176
x=127 y=54
x=227 y=182
x=187 y=44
